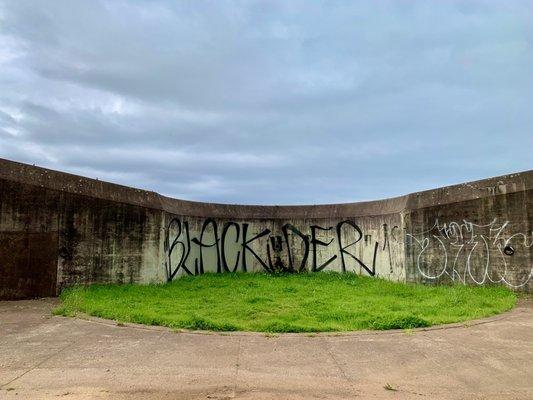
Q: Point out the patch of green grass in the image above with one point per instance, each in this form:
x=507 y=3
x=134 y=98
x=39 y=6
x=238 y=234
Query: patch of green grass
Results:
x=316 y=302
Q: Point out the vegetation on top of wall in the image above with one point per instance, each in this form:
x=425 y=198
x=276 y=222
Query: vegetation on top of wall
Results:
x=286 y=303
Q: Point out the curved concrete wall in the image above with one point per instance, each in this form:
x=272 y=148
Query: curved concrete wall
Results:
x=58 y=229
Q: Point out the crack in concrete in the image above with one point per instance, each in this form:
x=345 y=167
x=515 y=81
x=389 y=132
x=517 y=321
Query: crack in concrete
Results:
x=338 y=365
x=237 y=365
x=37 y=365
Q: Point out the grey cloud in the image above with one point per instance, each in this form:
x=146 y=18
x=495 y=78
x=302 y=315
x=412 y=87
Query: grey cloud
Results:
x=268 y=102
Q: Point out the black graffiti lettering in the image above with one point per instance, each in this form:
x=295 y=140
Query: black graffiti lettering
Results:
x=237 y=227
x=285 y=229
x=245 y=246
x=207 y=222
x=386 y=245
x=188 y=236
x=185 y=248
x=275 y=261
x=277 y=265
x=314 y=243
x=343 y=250
x=196 y=271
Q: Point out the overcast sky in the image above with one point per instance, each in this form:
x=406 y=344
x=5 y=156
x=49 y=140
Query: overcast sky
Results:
x=269 y=102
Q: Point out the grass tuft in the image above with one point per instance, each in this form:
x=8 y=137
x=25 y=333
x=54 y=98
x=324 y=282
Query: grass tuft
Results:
x=318 y=302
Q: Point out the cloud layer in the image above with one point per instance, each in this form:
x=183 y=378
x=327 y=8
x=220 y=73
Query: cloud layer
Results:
x=269 y=102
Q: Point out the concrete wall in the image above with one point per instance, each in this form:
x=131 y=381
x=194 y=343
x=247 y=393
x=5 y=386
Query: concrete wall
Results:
x=58 y=229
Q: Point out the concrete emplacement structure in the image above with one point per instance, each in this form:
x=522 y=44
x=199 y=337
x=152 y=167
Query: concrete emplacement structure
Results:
x=58 y=230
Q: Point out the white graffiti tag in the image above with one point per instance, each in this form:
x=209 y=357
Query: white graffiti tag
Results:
x=469 y=252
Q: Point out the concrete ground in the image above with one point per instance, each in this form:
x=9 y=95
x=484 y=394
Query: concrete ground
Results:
x=45 y=357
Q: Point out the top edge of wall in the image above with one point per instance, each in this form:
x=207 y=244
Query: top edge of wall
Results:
x=65 y=182
x=489 y=187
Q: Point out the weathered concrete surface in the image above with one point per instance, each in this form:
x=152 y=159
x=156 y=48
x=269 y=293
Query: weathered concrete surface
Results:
x=58 y=229
x=44 y=357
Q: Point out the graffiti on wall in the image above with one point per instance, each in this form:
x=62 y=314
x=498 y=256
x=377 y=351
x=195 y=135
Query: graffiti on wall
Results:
x=463 y=252
x=291 y=251
x=467 y=252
